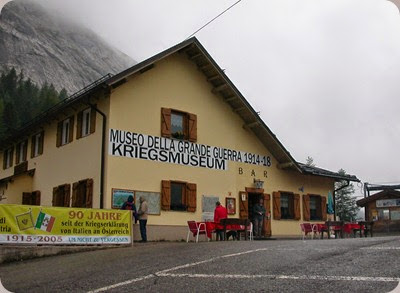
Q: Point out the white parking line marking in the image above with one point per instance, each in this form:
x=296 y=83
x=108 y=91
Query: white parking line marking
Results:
x=381 y=248
x=290 y=277
x=122 y=284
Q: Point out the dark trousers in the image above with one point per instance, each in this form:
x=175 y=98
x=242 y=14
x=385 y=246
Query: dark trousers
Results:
x=143 y=224
x=258 y=225
x=219 y=234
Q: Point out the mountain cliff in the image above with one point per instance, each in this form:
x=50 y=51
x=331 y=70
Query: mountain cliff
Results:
x=48 y=48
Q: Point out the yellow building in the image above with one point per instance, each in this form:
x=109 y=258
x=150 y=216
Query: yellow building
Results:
x=174 y=129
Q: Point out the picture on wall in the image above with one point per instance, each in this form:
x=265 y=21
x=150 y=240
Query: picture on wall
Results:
x=231 y=205
x=119 y=196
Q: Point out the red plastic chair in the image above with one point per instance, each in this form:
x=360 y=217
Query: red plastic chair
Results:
x=308 y=228
x=196 y=229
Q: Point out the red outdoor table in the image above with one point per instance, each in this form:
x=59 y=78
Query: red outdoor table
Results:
x=212 y=226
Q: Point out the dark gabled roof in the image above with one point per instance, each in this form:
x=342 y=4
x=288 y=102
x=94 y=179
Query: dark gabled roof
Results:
x=222 y=85
x=383 y=194
x=312 y=170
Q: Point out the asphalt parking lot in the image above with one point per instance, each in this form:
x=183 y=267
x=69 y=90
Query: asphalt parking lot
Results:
x=341 y=265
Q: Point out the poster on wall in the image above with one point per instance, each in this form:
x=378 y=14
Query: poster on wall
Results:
x=208 y=207
x=119 y=196
x=153 y=201
x=55 y=225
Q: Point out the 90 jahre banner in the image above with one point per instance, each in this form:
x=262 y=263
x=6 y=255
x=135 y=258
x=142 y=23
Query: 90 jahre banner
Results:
x=52 y=225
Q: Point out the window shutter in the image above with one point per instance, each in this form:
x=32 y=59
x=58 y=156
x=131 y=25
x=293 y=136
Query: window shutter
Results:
x=267 y=222
x=243 y=205
x=165 y=122
x=192 y=127
x=67 y=194
x=92 y=120
x=71 y=128
x=323 y=208
x=41 y=142
x=165 y=195
x=276 y=197
x=55 y=193
x=79 y=125
x=26 y=198
x=74 y=194
x=89 y=193
x=191 y=197
x=36 y=197
x=59 y=133
x=306 y=207
x=33 y=146
x=297 y=214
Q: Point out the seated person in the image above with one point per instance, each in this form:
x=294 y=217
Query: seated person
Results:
x=219 y=214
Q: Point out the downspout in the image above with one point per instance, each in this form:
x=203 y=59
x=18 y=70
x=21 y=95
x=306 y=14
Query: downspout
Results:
x=334 y=197
x=103 y=145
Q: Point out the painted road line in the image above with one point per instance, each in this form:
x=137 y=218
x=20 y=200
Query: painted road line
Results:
x=286 y=277
x=381 y=248
x=122 y=284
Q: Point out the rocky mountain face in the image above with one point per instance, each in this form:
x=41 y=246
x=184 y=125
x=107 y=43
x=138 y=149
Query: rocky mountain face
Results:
x=49 y=49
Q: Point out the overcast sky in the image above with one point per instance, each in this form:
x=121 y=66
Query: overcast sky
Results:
x=324 y=74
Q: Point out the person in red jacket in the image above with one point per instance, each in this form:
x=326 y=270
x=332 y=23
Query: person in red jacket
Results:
x=219 y=213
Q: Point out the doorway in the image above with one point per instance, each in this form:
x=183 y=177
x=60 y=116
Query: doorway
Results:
x=253 y=199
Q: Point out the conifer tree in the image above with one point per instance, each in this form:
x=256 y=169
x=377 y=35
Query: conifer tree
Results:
x=346 y=207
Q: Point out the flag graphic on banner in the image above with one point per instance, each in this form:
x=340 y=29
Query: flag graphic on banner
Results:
x=24 y=221
x=44 y=222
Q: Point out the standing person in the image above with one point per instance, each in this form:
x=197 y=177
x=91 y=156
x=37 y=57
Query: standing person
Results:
x=142 y=213
x=258 y=217
x=219 y=214
x=130 y=205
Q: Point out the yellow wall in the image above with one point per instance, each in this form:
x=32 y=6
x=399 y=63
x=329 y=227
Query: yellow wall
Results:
x=176 y=83
x=77 y=160
x=13 y=189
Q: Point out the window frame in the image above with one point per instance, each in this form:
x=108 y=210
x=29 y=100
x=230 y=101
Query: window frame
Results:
x=8 y=158
x=189 y=199
x=183 y=201
x=86 y=122
x=189 y=124
x=88 y=194
x=185 y=122
x=66 y=195
x=21 y=152
x=318 y=207
x=290 y=209
x=64 y=137
x=65 y=132
x=37 y=144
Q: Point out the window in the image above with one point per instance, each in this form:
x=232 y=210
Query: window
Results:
x=178 y=196
x=286 y=205
x=37 y=144
x=22 y=148
x=8 y=158
x=287 y=211
x=61 y=195
x=82 y=194
x=178 y=124
x=86 y=123
x=65 y=131
x=315 y=207
x=31 y=198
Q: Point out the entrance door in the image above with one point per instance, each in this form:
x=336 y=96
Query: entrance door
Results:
x=247 y=200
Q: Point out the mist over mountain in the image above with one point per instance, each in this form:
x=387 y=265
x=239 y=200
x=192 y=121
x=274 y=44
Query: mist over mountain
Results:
x=49 y=48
